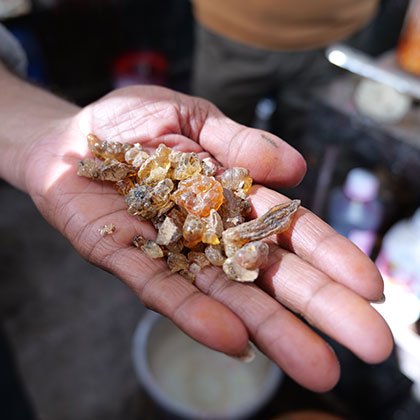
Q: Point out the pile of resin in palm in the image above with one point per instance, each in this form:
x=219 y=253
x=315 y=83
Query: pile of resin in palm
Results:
x=198 y=208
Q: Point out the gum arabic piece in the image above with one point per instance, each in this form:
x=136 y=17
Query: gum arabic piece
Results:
x=89 y=168
x=213 y=228
x=107 y=149
x=198 y=261
x=192 y=231
x=152 y=249
x=176 y=247
x=148 y=201
x=149 y=247
x=177 y=262
x=274 y=221
x=169 y=232
x=233 y=210
x=124 y=186
x=158 y=220
x=200 y=247
x=199 y=194
x=107 y=229
x=189 y=207
x=136 y=156
x=140 y=202
x=178 y=215
x=215 y=255
x=107 y=170
x=252 y=255
x=138 y=240
x=162 y=195
x=208 y=167
x=237 y=180
x=235 y=272
x=184 y=165
x=156 y=167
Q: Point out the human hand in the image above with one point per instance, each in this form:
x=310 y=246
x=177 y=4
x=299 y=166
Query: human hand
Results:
x=312 y=271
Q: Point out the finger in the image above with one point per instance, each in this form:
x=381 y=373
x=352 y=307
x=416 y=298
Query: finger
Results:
x=327 y=305
x=317 y=243
x=144 y=114
x=271 y=161
x=198 y=315
x=285 y=339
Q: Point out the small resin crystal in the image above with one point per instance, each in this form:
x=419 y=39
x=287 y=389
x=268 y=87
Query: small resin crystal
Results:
x=107 y=229
x=199 y=211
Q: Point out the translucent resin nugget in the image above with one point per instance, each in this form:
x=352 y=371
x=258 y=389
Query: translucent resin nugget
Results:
x=200 y=217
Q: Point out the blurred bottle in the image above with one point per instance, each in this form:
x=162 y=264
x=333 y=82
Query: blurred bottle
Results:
x=408 y=48
x=399 y=257
x=355 y=210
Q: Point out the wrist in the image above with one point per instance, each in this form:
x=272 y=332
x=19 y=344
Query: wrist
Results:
x=28 y=114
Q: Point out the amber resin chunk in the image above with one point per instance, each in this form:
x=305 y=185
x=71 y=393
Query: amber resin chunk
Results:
x=107 y=229
x=107 y=149
x=185 y=165
x=236 y=180
x=199 y=194
x=198 y=209
x=107 y=170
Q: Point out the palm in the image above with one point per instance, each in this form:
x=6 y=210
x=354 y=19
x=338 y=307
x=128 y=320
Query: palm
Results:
x=314 y=273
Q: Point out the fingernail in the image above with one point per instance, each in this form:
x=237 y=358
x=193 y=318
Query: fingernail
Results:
x=247 y=355
x=382 y=299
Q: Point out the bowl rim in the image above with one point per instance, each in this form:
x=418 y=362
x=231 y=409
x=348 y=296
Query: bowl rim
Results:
x=147 y=379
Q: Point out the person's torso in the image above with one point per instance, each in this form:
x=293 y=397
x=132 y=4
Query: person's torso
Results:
x=285 y=24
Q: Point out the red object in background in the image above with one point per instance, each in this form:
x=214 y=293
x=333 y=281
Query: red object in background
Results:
x=140 y=67
x=408 y=49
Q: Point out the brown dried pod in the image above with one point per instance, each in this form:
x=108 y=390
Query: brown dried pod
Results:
x=274 y=221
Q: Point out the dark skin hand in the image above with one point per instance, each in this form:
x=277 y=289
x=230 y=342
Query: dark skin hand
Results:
x=313 y=272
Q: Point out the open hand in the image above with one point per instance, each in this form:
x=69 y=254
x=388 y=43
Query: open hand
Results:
x=313 y=272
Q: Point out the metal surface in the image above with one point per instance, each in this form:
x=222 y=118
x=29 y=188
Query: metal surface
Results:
x=363 y=65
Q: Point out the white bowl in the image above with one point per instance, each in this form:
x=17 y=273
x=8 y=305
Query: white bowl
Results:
x=191 y=381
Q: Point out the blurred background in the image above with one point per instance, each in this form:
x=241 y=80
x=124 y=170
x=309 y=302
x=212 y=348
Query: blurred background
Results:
x=67 y=328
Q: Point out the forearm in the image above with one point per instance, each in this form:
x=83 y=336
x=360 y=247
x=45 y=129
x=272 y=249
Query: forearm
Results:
x=26 y=114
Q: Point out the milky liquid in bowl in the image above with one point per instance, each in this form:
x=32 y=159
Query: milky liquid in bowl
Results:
x=191 y=380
